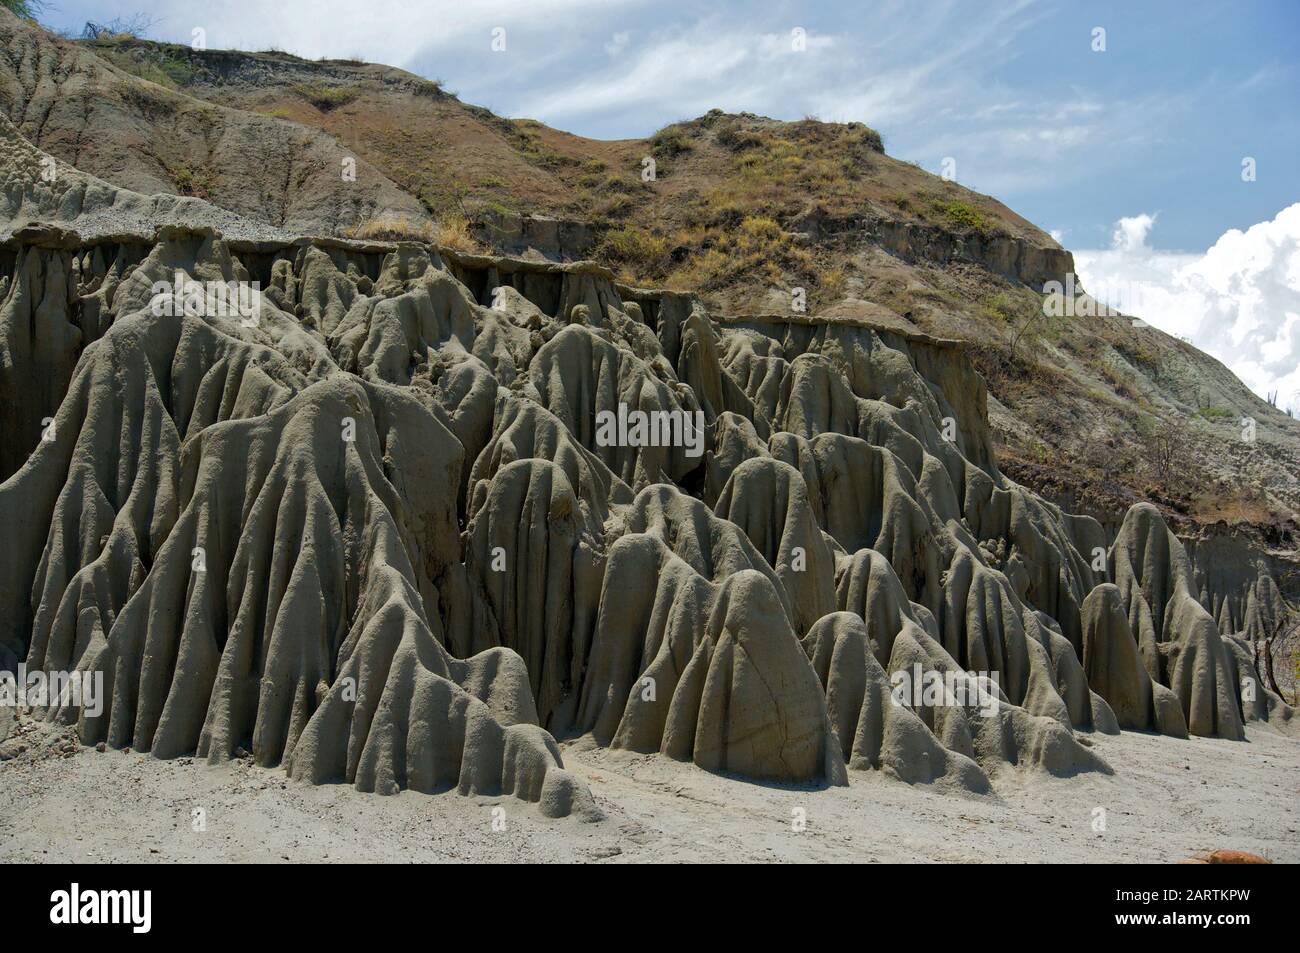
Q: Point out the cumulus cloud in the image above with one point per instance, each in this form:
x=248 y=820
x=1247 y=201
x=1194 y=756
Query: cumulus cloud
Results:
x=1130 y=234
x=1239 y=301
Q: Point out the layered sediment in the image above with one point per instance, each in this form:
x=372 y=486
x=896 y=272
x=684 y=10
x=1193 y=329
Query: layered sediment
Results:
x=372 y=531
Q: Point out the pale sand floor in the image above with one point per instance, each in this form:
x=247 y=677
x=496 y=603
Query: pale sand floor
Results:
x=1167 y=800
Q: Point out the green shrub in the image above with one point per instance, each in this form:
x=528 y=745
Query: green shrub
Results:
x=634 y=246
x=1000 y=308
x=325 y=97
x=734 y=137
x=669 y=142
x=962 y=215
x=27 y=9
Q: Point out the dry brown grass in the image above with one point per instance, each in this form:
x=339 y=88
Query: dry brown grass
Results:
x=717 y=256
x=392 y=228
x=1241 y=507
x=451 y=232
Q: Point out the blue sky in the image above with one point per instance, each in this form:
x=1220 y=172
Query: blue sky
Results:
x=1152 y=130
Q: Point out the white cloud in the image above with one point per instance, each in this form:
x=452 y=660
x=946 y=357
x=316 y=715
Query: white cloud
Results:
x=1239 y=301
x=394 y=32
x=1130 y=234
x=678 y=70
x=686 y=72
x=1036 y=145
x=887 y=68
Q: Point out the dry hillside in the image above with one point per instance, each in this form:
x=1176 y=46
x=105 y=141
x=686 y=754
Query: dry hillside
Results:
x=1093 y=411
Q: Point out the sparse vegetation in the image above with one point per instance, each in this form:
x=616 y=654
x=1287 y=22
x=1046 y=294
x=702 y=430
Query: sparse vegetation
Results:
x=326 y=98
x=777 y=167
x=734 y=136
x=166 y=64
x=757 y=248
x=1000 y=308
x=669 y=142
x=191 y=182
x=275 y=112
x=453 y=233
x=528 y=137
x=1167 y=447
x=389 y=228
x=149 y=102
x=735 y=228
x=1025 y=321
x=614 y=206
x=117 y=30
x=640 y=251
x=450 y=232
x=962 y=215
x=27 y=9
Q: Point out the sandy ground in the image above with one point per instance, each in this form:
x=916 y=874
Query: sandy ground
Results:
x=1167 y=800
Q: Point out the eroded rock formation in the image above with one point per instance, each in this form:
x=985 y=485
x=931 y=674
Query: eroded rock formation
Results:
x=376 y=532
